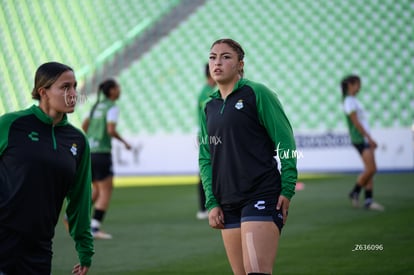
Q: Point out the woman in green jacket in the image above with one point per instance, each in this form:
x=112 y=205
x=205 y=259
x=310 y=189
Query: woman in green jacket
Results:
x=243 y=128
x=43 y=160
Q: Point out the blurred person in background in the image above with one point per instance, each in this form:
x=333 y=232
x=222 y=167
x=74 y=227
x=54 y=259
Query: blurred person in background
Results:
x=43 y=160
x=243 y=126
x=359 y=132
x=100 y=127
x=203 y=96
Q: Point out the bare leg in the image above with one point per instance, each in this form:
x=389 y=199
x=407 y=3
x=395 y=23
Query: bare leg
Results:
x=104 y=193
x=95 y=192
x=233 y=245
x=260 y=241
x=370 y=168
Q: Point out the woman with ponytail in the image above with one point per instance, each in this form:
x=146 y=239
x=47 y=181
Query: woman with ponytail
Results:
x=100 y=127
x=361 y=139
x=44 y=161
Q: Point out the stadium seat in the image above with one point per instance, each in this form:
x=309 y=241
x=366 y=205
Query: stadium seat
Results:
x=299 y=49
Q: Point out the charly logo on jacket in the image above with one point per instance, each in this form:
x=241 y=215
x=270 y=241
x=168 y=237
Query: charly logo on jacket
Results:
x=239 y=104
x=260 y=205
x=34 y=136
x=74 y=149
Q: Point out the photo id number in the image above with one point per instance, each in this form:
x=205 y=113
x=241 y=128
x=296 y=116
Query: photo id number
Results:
x=368 y=247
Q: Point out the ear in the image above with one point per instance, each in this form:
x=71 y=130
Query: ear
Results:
x=241 y=68
x=42 y=92
x=241 y=65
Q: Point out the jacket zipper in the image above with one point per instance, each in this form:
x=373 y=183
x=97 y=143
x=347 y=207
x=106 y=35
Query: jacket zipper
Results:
x=54 y=138
x=222 y=107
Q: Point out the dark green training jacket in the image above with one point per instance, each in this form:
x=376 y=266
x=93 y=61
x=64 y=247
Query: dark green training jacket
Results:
x=40 y=165
x=238 y=143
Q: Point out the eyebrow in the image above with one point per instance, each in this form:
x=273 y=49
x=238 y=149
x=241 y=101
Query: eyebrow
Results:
x=69 y=83
x=221 y=53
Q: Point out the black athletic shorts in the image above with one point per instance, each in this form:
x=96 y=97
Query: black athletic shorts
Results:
x=253 y=210
x=19 y=255
x=361 y=147
x=101 y=166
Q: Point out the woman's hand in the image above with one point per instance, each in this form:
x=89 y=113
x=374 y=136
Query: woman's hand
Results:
x=80 y=270
x=127 y=145
x=372 y=144
x=283 y=203
x=215 y=218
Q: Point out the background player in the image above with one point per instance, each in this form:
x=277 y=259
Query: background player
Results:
x=100 y=128
x=203 y=96
x=357 y=122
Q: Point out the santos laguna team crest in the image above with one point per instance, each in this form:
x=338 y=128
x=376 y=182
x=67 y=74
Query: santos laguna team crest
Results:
x=239 y=105
x=74 y=149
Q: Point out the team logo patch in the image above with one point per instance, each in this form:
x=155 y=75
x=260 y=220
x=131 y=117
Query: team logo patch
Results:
x=239 y=105
x=74 y=149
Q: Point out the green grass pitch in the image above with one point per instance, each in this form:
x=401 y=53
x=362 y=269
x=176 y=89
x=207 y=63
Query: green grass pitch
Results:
x=155 y=232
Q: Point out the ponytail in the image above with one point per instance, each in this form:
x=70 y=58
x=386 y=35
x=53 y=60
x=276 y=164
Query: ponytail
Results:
x=105 y=88
x=344 y=86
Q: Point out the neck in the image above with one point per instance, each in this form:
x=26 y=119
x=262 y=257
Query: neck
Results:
x=55 y=116
x=227 y=88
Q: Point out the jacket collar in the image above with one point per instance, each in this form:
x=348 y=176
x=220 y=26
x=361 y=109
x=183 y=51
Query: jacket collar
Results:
x=47 y=119
x=241 y=82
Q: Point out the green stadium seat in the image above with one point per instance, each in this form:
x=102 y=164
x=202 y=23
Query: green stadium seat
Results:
x=300 y=49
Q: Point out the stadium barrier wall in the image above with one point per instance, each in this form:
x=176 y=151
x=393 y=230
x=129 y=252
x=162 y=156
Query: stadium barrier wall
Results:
x=317 y=151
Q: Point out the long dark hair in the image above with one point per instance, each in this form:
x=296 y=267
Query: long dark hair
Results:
x=207 y=70
x=104 y=88
x=350 y=79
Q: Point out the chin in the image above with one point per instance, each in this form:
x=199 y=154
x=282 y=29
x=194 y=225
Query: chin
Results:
x=70 y=110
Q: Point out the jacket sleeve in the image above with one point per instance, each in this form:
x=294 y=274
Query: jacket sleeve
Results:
x=274 y=119
x=4 y=133
x=6 y=121
x=204 y=160
x=78 y=210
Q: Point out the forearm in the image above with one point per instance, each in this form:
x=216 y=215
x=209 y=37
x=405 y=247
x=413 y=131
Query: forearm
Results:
x=288 y=155
x=78 y=211
x=117 y=136
x=204 y=161
x=289 y=177
x=85 y=252
x=361 y=129
x=205 y=174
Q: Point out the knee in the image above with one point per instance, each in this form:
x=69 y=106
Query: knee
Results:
x=371 y=170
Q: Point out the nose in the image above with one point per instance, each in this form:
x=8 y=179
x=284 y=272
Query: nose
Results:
x=73 y=90
x=70 y=95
